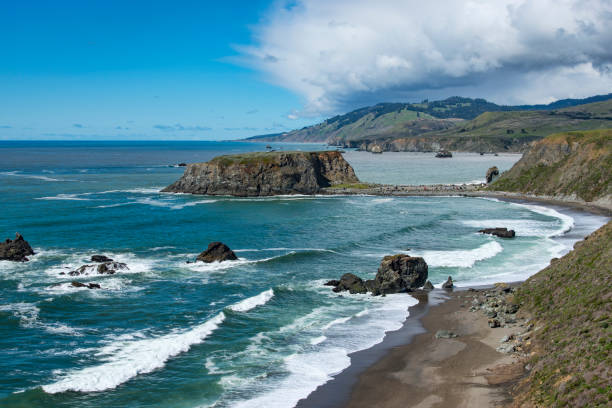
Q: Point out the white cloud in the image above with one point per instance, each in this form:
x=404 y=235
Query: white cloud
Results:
x=345 y=53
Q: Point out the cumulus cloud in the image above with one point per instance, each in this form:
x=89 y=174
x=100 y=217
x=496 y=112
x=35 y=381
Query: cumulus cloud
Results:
x=179 y=128
x=345 y=53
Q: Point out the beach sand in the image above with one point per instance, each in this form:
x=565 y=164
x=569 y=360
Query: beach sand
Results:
x=465 y=371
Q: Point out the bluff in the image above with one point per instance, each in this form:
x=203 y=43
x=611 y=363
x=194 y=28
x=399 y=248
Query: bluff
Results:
x=265 y=174
x=570 y=303
x=575 y=166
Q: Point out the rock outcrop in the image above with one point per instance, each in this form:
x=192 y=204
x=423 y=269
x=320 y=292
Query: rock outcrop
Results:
x=217 y=252
x=448 y=284
x=105 y=268
x=572 y=166
x=492 y=174
x=444 y=154
x=100 y=258
x=397 y=273
x=16 y=250
x=499 y=232
x=428 y=286
x=265 y=174
x=376 y=149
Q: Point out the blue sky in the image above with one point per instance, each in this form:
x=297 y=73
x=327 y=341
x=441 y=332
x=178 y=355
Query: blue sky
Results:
x=134 y=69
x=180 y=69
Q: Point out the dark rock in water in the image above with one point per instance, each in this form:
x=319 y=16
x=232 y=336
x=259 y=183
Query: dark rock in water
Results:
x=499 y=232
x=16 y=250
x=443 y=154
x=100 y=258
x=332 y=282
x=399 y=273
x=448 y=284
x=217 y=252
x=265 y=174
x=84 y=285
x=182 y=164
x=352 y=283
x=428 y=286
x=106 y=268
x=492 y=174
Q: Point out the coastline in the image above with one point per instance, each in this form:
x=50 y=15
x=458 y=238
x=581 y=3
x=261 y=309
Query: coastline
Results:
x=466 y=372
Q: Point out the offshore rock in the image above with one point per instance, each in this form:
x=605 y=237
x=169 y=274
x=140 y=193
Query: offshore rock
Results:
x=16 y=250
x=100 y=258
x=376 y=149
x=85 y=285
x=106 y=268
x=428 y=286
x=217 y=252
x=352 y=283
x=492 y=174
x=443 y=154
x=399 y=273
x=499 y=232
x=265 y=174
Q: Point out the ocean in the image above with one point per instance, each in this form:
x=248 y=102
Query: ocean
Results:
x=262 y=331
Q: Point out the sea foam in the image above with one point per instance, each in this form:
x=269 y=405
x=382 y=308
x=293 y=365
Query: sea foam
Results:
x=460 y=258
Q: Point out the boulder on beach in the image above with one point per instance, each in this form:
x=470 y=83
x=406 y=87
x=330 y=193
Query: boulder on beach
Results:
x=217 y=252
x=499 y=232
x=352 y=283
x=16 y=250
x=428 y=286
x=492 y=174
x=443 y=154
x=448 y=284
x=100 y=258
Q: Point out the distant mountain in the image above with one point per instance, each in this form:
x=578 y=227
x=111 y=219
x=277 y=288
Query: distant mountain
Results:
x=385 y=122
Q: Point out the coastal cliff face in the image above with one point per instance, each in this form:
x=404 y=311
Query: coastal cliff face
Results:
x=568 y=166
x=265 y=174
x=570 y=302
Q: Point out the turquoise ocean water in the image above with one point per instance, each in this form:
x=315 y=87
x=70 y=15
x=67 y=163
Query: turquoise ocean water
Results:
x=262 y=331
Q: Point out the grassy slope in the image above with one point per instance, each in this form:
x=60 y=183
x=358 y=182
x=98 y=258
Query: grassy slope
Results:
x=571 y=302
x=565 y=164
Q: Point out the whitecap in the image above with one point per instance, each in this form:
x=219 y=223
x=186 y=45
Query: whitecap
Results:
x=460 y=258
x=32 y=176
x=28 y=315
x=127 y=359
x=252 y=302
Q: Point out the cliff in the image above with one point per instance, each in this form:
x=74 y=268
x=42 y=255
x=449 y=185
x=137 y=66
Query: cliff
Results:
x=574 y=166
x=265 y=174
x=570 y=302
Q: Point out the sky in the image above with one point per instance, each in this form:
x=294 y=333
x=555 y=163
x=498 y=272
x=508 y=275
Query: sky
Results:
x=209 y=70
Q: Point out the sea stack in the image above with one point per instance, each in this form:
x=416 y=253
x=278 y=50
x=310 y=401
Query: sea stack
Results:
x=265 y=174
x=16 y=250
x=217 y=252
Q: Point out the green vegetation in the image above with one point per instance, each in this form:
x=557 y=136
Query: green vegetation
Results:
x=255 y=157
x=357 y=186
x=454 y=123
x=571 y=302
x=575 y=164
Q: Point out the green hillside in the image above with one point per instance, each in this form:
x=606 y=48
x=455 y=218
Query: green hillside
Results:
x=571 y=304
x=575 y=165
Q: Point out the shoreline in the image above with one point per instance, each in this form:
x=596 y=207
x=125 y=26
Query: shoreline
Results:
x=360 y=385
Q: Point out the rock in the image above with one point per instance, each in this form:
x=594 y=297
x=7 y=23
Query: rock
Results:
x=106 y=268
x=333 y=282
x=352 y=283
x=448 y=284
x=376 y=149
x=493 y=323
x=506 y=348
x=399 y=273
x=499 y=232
x=428 y=286
x=182 y=164
x=492 y=174
x=16 y=250
x=443 y=154
x=445 y=334
x=100 y=258
x=83 y=285
x=217 y=252
x=265 y=174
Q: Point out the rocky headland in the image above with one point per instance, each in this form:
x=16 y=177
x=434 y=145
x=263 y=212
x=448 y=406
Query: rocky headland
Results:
x=266 y=174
